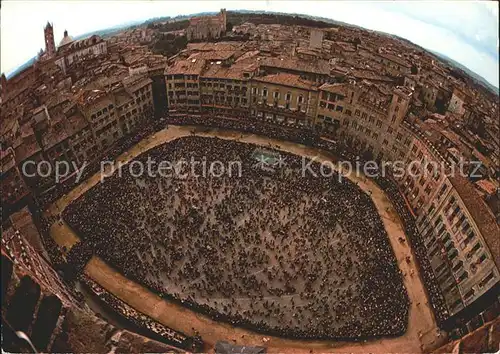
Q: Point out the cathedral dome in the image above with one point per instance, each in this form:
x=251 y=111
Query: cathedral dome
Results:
x=66 y=39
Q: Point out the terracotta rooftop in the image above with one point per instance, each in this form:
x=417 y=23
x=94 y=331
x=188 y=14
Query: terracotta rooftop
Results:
x=133 y=83
x=75 y=123
x=207 y=46
x=370 y=75
x=342 y=88
x=487 y=186
x=122 y=97
x=7 y=159
x=56 y=134
x=88 y=97
x=316 y=67
x=395 y=59
x=186 y=67
x=26 y=149
x=288 y=80
x=347 y=47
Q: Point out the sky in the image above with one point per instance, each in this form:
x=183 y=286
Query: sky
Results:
x=466 y=31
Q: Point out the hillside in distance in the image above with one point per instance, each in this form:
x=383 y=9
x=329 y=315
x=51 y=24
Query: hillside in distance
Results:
x=478 y=78
x=236 y=17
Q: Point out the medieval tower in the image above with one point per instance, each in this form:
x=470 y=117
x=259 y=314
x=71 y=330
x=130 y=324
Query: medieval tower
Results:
x=50 y=47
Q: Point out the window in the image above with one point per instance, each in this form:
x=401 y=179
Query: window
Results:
x=331 y=106
x=482 y=258
x=364 y=115
x=390 y=130
x=440 y=267
x=385 y=142
x=457 y=303
x=476 y=247
x=486 y=280
x=414 y=149
x=357 y=112
x=379 y=123
x=396 y=109
x=288 y=96
x=453 y=254
x=469 y=294
x=399 y=136
x=339 y=108
x=463 y=277
x=393 y=120
x=348 y=112
x=371 y=119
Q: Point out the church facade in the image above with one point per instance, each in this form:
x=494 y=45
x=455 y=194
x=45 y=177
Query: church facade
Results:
x=207 y=27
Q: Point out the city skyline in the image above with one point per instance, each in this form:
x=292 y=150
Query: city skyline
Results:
x=469 y=37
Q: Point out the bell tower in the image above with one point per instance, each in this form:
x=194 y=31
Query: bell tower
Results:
x=50 y=47
x=223 y=19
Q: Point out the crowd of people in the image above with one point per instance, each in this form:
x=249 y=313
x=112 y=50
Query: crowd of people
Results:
x=348 y=153
x=391 y=190
x=280 y=252
x=436 y=298
x=221 y=310
x=305 y=135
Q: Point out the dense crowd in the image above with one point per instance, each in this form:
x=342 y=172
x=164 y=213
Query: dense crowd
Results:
x=294 y=255
x=343 y=152
x=436 y=298
x=306 y=137
x=408 y=220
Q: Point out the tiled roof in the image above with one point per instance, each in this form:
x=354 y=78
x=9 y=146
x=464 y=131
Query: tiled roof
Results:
x=395 y=59
x=288 y=80
x=186 y=67
x=316 y=67
x=336 y=88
